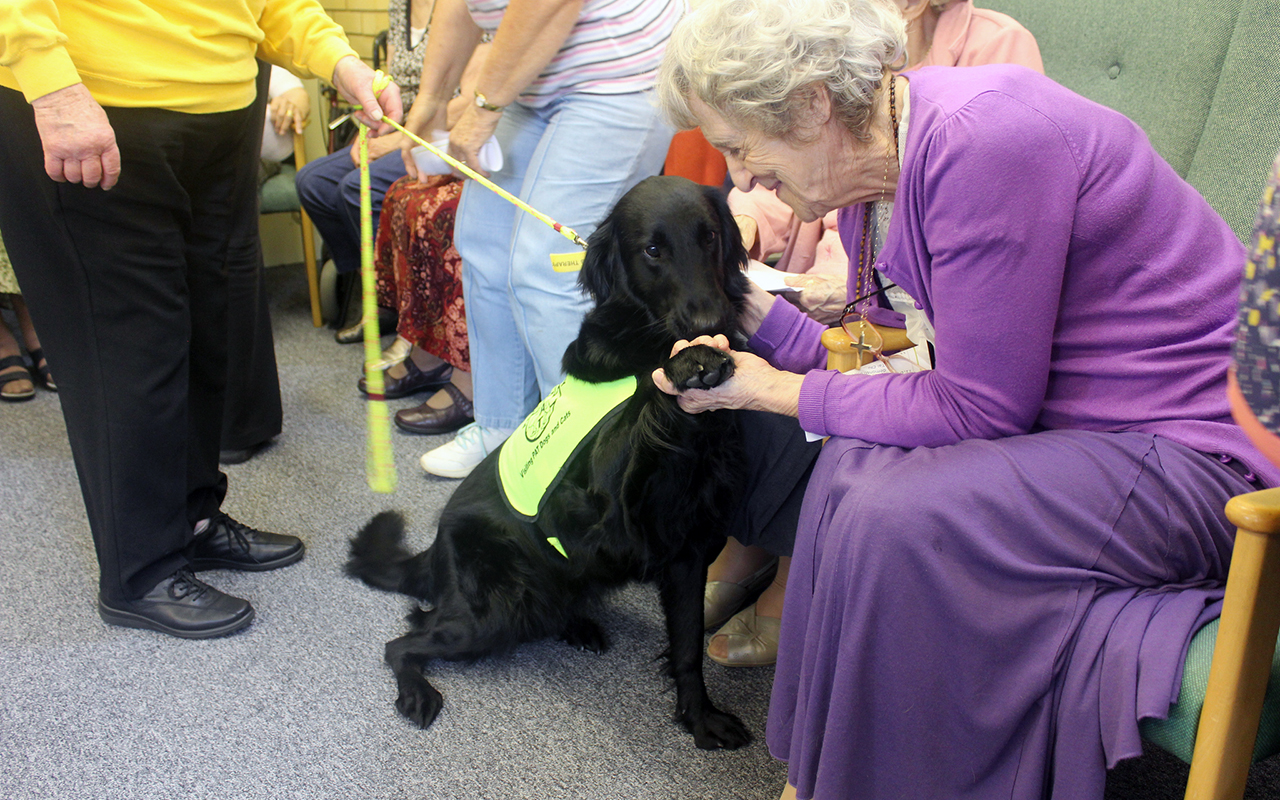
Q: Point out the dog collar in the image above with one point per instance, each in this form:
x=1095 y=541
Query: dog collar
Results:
x=534 y=458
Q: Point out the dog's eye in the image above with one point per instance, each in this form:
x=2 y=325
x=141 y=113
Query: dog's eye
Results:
x=651 y=251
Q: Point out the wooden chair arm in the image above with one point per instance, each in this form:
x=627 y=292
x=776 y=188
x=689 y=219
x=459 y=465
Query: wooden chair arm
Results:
x=1256 y=511
x=299 y=150
x=308 y=237
x=841 y=355
x=1243 y=652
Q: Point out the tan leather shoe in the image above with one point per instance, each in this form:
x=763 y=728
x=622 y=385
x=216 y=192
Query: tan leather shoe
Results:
x=752 y=640
x=721 y=599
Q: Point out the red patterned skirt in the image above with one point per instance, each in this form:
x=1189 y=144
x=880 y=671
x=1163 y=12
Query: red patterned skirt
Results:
x=419 y=271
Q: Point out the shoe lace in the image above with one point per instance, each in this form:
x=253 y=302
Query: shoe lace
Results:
x=186 y=584
x=470 y=437
x=238 y=533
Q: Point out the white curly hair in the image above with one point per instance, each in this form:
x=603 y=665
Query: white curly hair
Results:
x=757 y=62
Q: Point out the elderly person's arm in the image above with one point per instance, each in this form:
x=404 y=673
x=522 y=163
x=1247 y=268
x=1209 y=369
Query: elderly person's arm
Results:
x=452 y=40
x=529 y=36
x=299 y=36
x=79 y=142
x=996 y=282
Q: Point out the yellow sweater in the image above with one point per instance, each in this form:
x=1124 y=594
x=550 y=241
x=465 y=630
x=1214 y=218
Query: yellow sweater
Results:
x=195 y=56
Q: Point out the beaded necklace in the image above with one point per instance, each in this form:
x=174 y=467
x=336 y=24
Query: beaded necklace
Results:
x=859 y=288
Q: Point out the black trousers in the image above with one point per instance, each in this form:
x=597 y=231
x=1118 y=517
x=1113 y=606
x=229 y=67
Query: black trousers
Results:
x=779 y=462
x=128 y=289
x=252 y=412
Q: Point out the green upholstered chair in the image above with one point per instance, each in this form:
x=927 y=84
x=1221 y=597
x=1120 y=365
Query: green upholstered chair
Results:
x=279 y=195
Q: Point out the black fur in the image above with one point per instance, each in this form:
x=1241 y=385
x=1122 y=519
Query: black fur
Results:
x=646 y=499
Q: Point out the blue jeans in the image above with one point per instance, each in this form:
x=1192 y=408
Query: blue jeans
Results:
x=329 y=189
x=571 y=161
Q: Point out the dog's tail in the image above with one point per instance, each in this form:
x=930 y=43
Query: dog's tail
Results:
x=378 y=555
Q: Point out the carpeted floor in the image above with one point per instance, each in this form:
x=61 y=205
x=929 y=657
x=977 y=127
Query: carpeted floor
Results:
x=300 y=705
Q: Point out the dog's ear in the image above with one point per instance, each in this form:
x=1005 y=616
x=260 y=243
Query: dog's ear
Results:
x=733 y=253
x=602 y=262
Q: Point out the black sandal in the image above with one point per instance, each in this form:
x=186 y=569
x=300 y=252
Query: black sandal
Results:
x=41 y=371
x=9 y=362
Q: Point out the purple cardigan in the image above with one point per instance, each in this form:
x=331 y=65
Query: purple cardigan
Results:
x=1073 y=279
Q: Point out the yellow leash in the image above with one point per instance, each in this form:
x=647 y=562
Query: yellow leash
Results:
x=563 y=230
x=380 y=467
x=381 y=81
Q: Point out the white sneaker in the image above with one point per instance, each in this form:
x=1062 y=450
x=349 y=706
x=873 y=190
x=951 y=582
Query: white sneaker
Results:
x=457 y=458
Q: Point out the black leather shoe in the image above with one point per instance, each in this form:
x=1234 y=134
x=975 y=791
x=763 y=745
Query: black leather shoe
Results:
x=227 y=544
x=242 y=455
x=351 y=334
x=414 y=380
x=180 y=605
x=425 y=419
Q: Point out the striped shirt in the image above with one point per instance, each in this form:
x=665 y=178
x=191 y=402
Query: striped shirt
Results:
x=615 y=48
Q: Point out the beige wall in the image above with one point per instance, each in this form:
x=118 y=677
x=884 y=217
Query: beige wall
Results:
x=361 y=19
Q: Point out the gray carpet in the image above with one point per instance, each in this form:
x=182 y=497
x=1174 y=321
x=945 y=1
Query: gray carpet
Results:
x=300 y=705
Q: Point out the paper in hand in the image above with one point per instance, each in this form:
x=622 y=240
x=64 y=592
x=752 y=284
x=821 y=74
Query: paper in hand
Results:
x=768 y=278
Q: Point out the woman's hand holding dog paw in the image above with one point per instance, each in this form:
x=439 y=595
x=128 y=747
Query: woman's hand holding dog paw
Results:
x=753 y=383
x=699 y=366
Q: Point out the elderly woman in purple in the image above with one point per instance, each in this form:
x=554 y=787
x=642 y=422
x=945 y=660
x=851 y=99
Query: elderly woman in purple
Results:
x=999 y=561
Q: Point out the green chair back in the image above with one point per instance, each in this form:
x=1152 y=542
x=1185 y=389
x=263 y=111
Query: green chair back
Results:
x=1202 y=78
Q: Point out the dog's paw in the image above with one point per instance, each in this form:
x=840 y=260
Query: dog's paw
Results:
x=699 y=367
x=419 y=701
x=585 y=633
x=717 y=730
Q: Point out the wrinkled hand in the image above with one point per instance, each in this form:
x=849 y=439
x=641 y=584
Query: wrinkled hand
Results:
x=822 y=297
x=755 y=383
x=79 y=142
x=354 y=81
x=469 y=134
x=286 y=116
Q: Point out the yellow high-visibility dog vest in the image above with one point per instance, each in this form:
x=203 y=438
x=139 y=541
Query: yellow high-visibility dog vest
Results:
x=534 y=458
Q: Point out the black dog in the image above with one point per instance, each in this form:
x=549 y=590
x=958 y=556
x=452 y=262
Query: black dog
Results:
x=645 y=497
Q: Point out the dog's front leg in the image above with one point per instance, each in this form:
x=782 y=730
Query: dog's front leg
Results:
x=681 y=590
x=416 y=698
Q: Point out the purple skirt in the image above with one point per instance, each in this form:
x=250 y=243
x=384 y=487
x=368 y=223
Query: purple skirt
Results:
x=992 y=618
